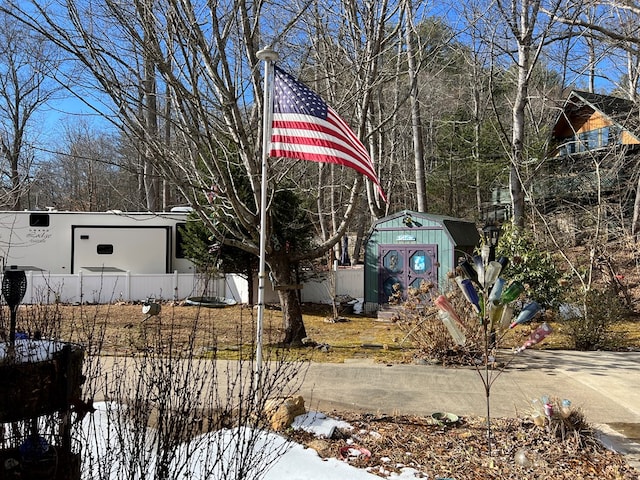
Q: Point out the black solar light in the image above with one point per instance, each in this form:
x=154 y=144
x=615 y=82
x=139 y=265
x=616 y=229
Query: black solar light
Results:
x=14 y=286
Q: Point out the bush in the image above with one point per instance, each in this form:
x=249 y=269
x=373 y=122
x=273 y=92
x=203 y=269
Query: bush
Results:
x=590 y=324
x=531 y=265
x=418 y=318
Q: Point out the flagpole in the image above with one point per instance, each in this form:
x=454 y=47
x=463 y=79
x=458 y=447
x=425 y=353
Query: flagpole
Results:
x=268 y=55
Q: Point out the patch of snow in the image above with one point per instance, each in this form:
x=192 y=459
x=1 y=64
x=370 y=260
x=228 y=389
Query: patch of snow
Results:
x=568 y=311
x=295 y=462
x=318 y=424
x=358 y=307
x=29 y=350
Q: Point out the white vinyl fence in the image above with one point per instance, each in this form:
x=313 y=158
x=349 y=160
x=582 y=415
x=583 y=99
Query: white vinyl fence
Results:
x=84 y=287
x=343 y=282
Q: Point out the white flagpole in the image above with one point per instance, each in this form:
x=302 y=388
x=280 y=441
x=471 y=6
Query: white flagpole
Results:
x=268 y=55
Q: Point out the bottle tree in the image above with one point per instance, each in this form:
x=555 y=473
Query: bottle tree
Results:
x=482 y=280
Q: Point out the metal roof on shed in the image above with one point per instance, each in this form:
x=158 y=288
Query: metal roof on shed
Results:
x=462 y=232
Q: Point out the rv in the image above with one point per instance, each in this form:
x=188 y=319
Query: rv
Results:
x=73 y=242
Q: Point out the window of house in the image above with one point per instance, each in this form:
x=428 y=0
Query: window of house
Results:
x=614 y=135
x=591 y=140
x=604 y=137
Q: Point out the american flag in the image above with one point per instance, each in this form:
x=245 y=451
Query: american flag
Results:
x=306 y=128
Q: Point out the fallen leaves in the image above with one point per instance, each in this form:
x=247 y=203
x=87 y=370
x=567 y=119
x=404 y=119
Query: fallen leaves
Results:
x=460 y=452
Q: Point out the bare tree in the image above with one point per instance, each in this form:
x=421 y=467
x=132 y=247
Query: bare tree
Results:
x=524 y=29
x=416 y=117
x=26 y=64
x=168 y=411
x=85 y=174
x=205 y=55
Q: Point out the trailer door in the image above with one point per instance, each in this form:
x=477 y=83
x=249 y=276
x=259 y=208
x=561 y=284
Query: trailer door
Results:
x=120 y=249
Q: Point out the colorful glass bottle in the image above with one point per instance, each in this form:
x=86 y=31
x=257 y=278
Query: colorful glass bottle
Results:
x=478 y=265
x=507 y=316
x=485 y=253
x=468 y=270
x=451 y=326
x=536 y=336
x=491 y=273
x=504 y=261
x=469 y=292
x=496 y=291
x=527 y=313
x=444 y=305
x=495 y=314
x=512 y=292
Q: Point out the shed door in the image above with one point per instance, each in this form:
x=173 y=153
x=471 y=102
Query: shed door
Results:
x=405 y=266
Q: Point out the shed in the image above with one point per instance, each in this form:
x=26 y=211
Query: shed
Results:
x=410 y=247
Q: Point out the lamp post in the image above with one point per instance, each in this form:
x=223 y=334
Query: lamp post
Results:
x=491 y=232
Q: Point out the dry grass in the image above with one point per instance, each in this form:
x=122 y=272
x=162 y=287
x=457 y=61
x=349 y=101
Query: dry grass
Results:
x=121 y=329
x=229 y=331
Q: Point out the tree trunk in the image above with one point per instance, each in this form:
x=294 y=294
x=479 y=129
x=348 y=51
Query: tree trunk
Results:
x=249 y=270
x=150 y=102
x=283 y=276
x=357 y=245
x=16 y=190
x=416 y=118
x=518 y=137
x=294 y=330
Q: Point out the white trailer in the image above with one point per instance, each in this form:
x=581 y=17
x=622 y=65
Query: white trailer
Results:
x=103 y=242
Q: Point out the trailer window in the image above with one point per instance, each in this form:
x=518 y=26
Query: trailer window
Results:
x=39 y=220
x=105 y=249
x=180 y=227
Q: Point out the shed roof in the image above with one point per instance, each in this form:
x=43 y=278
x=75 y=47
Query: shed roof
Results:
x=462 y=232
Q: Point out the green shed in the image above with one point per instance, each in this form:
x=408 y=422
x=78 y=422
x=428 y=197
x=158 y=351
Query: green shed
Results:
x=408 y=248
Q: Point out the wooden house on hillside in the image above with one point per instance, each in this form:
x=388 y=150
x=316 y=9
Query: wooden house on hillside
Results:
x=593 y=160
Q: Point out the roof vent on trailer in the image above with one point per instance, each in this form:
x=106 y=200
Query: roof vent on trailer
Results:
x=181 y=209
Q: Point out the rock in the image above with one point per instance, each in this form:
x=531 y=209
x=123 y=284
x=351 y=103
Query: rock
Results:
x=321 y=446
x=282 y=411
